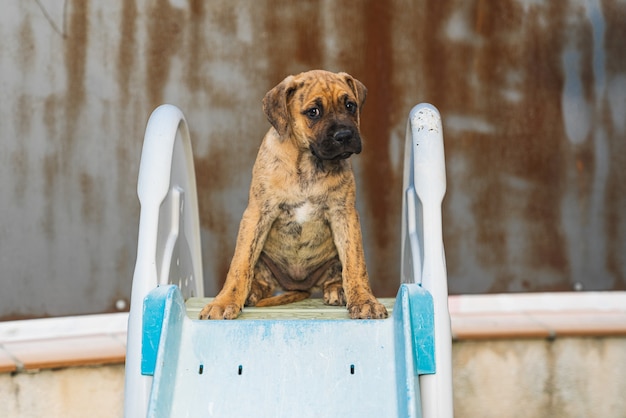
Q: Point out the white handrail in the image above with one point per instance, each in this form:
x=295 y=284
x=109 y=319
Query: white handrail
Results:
x=169 y=234
x=423 y=258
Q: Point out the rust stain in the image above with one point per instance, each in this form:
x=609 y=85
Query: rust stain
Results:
x=215 y=173
x=165 y=28
x=124 y=261
x=224 y=16
x=308 y=43
x=211 y=174
x=129 y=106
x=615 y=199
x=513 y=151
x=75 y=56
x=296 y=34
x=215 y=176
x=50 y=117
x=127 y=49
x=20 y=167
x=51 y=171
x=506 y=72
x=20 y=157
x=382 y=190
x=92 y=205
x=23 y=114
x=615 y=16
x=535 y=164
x=195 y=53
x=27 y=44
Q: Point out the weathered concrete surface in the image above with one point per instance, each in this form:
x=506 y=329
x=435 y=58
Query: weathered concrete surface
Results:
x=70 y=393
x=565 y=378
x=532 y=93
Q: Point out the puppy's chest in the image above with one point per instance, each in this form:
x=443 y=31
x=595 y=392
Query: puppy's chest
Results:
x=301 y=214
x=300 y=232
x=304 y=213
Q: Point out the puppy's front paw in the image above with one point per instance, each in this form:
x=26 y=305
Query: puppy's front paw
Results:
x=216 y=310
x=369 y=309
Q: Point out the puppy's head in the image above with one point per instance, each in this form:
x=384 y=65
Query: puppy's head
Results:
x=320 y=110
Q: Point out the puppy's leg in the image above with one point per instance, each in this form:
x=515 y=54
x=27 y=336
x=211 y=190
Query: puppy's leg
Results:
x=263 y=284
x=361 y=302
x=253 y=231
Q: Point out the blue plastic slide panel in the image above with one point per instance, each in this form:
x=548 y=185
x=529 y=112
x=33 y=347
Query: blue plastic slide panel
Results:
x=162 y=318
x=422 y=322
x=153 y=311
x=414 y=351
x=292 y=367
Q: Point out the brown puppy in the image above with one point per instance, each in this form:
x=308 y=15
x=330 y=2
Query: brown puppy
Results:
x=301 y=231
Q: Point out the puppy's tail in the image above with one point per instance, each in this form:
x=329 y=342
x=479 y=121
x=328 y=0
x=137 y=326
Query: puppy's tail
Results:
x=283 y=299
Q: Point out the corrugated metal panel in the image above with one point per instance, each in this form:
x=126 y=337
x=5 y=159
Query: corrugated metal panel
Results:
x=532 y=95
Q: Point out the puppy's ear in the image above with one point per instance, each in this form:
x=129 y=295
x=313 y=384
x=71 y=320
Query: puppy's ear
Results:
x=275 y=105
x=358 y=88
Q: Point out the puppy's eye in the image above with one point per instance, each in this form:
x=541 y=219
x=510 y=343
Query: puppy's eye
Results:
x=313 y=113
x=351 y=106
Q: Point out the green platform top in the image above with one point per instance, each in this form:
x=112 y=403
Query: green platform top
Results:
x=312 y=308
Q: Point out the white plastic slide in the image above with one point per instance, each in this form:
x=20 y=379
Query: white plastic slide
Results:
x=300 y=360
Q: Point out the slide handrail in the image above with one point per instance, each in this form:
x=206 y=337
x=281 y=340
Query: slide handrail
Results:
x=423 y=257
x=169 y=247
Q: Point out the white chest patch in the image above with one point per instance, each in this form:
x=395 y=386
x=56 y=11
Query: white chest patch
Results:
x=303 y=213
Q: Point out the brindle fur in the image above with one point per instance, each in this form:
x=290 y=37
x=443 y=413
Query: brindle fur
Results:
x=301 y=231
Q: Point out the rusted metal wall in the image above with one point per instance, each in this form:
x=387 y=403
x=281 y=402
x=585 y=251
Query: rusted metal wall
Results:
x=532 y=92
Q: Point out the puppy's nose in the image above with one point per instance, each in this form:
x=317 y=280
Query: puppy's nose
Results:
x=343 y=135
